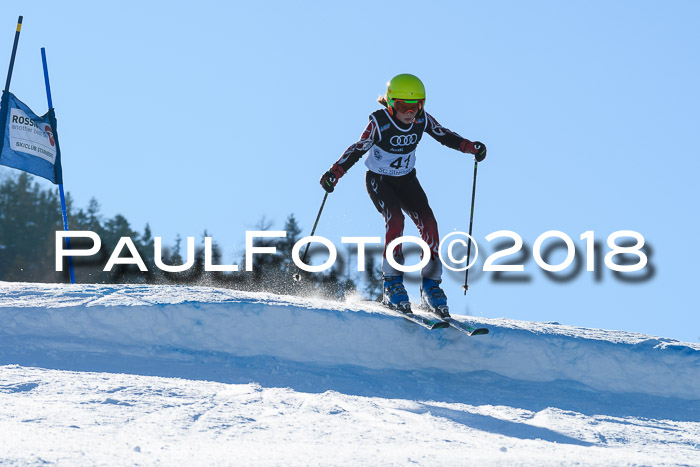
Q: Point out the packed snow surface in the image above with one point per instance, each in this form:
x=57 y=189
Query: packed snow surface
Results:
x=135 y=374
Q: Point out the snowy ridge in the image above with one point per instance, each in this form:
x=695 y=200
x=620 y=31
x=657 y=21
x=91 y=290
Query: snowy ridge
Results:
x=207 y=326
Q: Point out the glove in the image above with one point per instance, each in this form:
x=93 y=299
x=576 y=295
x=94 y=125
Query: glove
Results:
x=477 y=148
x=330 y=179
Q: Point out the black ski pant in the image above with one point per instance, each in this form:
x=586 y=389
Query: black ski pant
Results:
x=392 y=196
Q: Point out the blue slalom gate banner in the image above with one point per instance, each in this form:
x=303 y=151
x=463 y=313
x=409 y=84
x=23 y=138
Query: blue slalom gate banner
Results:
x=27 y=141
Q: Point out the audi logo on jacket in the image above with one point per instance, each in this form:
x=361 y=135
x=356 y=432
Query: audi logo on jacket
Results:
x=393 y=144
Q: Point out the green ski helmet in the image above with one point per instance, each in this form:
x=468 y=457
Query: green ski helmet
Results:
x=406 y=87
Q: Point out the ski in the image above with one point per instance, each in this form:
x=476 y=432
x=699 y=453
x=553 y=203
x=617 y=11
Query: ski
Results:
x=465 y=328
x=404 y=309
x=440 y=313
x=428 y=323
x=433 y=322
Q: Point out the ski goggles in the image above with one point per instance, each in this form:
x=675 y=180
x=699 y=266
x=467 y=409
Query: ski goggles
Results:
x=406 y=106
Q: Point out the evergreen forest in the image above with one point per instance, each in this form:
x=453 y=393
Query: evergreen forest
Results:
x=30 y=215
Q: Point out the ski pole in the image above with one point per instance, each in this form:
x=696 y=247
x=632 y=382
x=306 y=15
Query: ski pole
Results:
x=297 y=275
x=471 y=224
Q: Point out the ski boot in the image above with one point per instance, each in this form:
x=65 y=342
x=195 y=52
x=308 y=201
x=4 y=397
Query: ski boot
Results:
x=395 y=295
x=433 y=298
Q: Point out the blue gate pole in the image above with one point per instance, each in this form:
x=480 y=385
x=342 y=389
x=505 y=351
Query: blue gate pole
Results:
x=60 y=185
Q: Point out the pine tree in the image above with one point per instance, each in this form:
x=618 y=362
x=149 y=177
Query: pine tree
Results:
x=176 y=259
x=29 y=217
x=89 y=269
x=285 y=245
x=214 y=278
x=145 y=249
x=94 y=218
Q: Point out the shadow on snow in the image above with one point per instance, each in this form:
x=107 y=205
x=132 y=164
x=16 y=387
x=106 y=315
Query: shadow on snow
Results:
x=475 y=388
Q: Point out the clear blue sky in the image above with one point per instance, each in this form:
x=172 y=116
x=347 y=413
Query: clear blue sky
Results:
x=210 y=115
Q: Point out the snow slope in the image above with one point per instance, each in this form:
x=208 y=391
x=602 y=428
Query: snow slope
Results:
x=188 y=374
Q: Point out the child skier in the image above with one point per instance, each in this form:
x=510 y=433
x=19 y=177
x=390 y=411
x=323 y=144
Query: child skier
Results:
x=391 y=137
